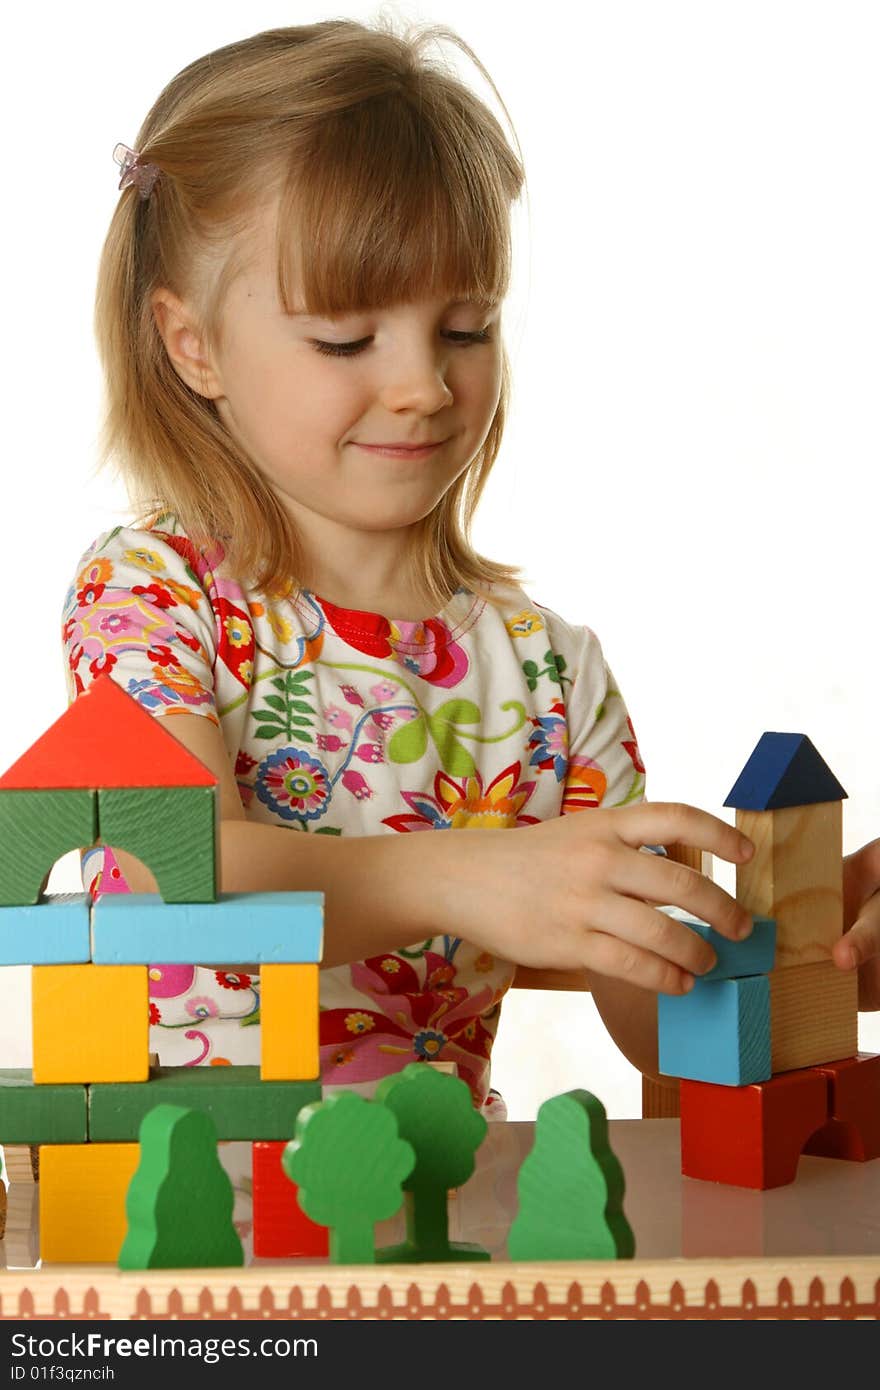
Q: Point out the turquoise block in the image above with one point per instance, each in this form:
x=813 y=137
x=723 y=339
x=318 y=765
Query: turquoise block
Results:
x=137 y=928
x=54 y=931
x=718 y=1032
x=754 y=956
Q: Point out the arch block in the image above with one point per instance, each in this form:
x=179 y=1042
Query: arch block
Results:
x=172 y=830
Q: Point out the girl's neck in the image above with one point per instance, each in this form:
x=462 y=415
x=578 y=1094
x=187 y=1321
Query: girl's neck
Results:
x=406 y=605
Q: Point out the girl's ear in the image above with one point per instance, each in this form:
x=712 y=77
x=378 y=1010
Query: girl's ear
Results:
x=186 y=350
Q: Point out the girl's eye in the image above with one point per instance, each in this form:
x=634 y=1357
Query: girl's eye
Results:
x=341 y=349
x=351 y=349
x=484 y=335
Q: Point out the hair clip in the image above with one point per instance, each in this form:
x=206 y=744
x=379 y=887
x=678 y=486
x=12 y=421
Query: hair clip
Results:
x=143 y=176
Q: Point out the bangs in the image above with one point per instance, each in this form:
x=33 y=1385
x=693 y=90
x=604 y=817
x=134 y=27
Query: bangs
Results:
x=389 y=205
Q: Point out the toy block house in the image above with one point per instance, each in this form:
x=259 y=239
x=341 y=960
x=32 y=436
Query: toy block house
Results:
x=107 y=771
x=771 y=1068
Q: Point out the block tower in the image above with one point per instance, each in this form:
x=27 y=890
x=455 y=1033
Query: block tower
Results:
x=766 y=1043
x=106 y=771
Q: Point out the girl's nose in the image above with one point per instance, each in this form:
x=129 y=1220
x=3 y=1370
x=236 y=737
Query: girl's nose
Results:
x=417 y=382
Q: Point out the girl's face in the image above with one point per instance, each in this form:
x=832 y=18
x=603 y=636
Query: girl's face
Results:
x=336 y=413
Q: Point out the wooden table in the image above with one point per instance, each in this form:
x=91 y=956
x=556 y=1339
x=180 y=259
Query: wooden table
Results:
x=703 y=1251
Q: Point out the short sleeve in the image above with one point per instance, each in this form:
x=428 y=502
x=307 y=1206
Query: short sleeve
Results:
x=604 y=764
x=139 y=609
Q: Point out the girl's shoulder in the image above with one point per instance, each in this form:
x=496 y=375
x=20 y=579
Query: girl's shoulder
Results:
x=524 y=616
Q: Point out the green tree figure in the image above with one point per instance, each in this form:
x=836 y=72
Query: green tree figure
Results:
x=571 y=1187
x=348 y=1162
x=436 y=1114
x=179 y=1202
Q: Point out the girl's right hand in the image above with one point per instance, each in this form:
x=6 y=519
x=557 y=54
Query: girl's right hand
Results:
x=579 y=891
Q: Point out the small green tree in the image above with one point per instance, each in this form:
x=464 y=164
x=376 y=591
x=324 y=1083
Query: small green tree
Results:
x=571 y=1187
x=435 y=1113
x=180 y=1199
x=348 y=1162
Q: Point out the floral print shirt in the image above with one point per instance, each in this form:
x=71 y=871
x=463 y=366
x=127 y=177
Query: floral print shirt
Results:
x=341 y=722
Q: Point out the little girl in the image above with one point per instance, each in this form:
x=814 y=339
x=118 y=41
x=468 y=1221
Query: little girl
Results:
x=299 y=318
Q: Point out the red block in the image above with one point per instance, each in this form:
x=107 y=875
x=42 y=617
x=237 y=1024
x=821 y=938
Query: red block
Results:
x=751 y=1136
x=281 y=1227
x=853 y=1129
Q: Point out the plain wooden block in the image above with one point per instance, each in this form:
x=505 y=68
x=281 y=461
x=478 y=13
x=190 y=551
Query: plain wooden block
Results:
x=82 y=1201
x=90 y=1023
x=796 y=877
x=281 y=1228
x=253 y=927
x=53 y=931
x=750 y=1136
x=289 y=1022
x=813 y=1015
x=719 y=1032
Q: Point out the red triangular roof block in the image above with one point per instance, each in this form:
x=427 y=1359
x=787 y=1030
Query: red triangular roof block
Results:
x=105 y=739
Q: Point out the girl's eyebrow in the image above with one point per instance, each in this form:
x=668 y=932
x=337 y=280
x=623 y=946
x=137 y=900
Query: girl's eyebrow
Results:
x=485 y=304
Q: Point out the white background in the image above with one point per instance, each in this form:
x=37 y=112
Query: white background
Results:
x=690 y=467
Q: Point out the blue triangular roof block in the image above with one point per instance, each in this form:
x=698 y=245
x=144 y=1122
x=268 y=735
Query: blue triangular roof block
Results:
x=784 y=770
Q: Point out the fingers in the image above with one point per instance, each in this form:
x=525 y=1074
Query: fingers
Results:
x=659 y=880
x=673 y=823
x=622 y=960
x=862 y=942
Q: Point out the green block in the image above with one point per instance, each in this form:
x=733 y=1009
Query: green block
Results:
x=172 y=830
x=40 y=1114
x=179 y=1203
x=36 y=828
x=240 y=1104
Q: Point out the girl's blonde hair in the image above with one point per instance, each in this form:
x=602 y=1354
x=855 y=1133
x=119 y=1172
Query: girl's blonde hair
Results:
x=395 y=181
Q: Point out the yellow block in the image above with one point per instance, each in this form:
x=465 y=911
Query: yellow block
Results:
x=82 y=1201
x=90 y=1023
x=289 y=1022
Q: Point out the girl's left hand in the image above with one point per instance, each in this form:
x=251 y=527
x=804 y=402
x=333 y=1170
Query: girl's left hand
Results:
x=860 y=944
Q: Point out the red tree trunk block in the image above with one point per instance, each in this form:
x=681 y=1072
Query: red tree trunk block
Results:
x=281 y=1227
x=853 y=1128
x=751 y=1136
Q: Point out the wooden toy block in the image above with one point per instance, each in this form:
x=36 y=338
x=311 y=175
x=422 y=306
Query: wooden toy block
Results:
x=788 y=801
x=750 y=1136
x=36 y=829
x=54 y=931
x=571 y=1187
x=18 y=1161
x=77 y=751
x=172 y=830
x=348 y=1162
x=239 y=1103
x=129 y=928
x=33 y=1114
x=21 y=1242
x=82 y=1201
x=281 y=1228
x=435 y=1115
x=735 y=959
x=179 y=1202
x=853 y=1127
x=719 y=1032
x=784 y=770
x=90 y=1023
x=813 y=1015
x=289 y=1022
x=796 y=877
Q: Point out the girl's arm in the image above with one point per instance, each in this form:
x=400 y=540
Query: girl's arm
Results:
x=567 y=893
